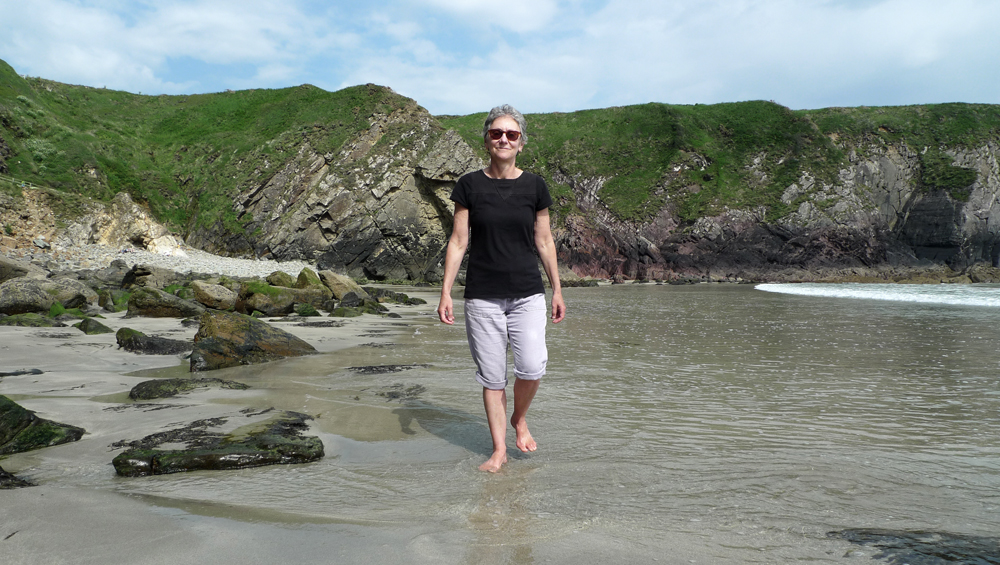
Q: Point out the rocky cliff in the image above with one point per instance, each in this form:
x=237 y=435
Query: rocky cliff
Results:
x=357 y=181
x=378 y=207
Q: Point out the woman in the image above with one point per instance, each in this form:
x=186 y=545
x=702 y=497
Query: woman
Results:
x=506 y=211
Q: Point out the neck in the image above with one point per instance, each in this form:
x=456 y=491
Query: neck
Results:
x=502 y=170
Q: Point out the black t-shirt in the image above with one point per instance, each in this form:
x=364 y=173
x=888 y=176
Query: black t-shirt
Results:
x=502 y=257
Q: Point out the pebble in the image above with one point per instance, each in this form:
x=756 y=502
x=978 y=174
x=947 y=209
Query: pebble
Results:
x=186 y=260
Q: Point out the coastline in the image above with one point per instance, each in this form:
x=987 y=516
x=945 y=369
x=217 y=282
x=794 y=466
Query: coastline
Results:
x=85 y=381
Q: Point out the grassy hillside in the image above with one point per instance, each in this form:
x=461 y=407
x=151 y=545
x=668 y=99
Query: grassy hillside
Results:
x=186 y=155
x=183 y=155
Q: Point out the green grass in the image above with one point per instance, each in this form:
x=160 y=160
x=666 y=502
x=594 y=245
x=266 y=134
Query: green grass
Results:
x=636 y=149
x=183 y=156
x=186 y=157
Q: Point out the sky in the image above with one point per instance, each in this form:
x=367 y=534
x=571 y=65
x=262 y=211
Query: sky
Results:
x=466 y=56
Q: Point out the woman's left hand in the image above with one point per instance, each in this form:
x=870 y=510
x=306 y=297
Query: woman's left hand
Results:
x=558 y=308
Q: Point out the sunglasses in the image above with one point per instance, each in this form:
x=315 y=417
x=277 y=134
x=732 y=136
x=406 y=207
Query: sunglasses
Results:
x=496 y=134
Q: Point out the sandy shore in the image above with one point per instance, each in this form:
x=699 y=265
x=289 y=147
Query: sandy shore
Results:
x=84 y=382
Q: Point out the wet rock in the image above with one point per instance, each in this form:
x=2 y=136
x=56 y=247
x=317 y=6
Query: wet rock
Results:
x=277 y=440
x=352 y=300
x=383 y=369
x=31 y=320
x=22 y=430
x=155 y=303
x=214 y=295
x=165 y=388
x=23 y=295
x=138 y=342
x=8 y=481
x=20 y=372
x=228 y=339
x=342 y=312
x=90 y=326
x=400 y=392
x=384 y=295
x=925 y=548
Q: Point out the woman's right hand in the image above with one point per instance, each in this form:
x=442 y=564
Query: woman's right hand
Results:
x=446 y=310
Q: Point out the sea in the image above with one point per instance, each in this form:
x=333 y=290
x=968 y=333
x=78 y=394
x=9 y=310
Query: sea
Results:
x=703 y=423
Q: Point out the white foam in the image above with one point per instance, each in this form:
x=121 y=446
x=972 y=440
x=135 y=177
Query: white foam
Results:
x=951 y=294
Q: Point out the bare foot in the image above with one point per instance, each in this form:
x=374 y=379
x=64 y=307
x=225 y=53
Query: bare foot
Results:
x=524 y=441
x=494 y=463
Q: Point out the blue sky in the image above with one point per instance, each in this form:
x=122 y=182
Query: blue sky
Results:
x=465 y=56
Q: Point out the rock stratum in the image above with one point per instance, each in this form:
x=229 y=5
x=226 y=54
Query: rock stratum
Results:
x=357 y=182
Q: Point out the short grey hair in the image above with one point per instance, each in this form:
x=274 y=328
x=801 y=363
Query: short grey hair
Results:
x=507 y=110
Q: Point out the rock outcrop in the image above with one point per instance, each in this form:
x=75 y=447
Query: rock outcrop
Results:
x=165 y=388
x=122 y=223
x=379 y=207
x=277 y=440
x=23 y=296
x=22 y=430
x=138 y=342
x=155 y=303
x=227 y=339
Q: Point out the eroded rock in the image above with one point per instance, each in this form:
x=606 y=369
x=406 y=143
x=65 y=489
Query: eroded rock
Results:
x=23 y=295
x=228 y=339
x=138 y=342
x=155 y=303
x=277 y=440
x=165 y=388
x=22 y=430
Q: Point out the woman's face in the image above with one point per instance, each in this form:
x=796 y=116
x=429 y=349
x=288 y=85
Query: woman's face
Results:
x=503 y=149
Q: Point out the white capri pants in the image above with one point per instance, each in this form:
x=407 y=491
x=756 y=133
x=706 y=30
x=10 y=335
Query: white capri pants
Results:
x=490 y=323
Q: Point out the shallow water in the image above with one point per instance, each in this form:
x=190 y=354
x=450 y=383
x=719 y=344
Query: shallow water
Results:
x=702 y=423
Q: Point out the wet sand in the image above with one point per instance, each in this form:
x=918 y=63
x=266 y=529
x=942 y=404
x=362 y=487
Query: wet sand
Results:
x=85 y=381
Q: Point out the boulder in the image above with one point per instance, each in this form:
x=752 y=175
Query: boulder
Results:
x=8 y=481
x=138 y=342
x=227 y=339
x=15 y=269
x=214 y=295
x=341 y=285
x=155 y=303
x=149 y=276
x=307 y=278
x=30 y=320
x=277 y=440
x=164 y=388
x=110 y=277
x=384 y=295
x=280 y=278
x=90 y=326
x=111 y=300
x=69 y=292
x=22 y=430
x=278 y=300
x=23 y=295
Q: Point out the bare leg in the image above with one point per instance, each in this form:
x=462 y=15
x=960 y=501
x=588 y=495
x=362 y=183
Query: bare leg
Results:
x=495 y=402
x=524 y=393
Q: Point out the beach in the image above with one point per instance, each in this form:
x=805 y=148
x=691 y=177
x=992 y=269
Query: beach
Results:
x=676 y=424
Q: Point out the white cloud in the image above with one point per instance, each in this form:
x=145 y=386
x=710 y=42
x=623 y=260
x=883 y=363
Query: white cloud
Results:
x=459 y=56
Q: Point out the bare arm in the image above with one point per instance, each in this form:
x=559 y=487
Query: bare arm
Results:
x=547 y=253
x=457 y=245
